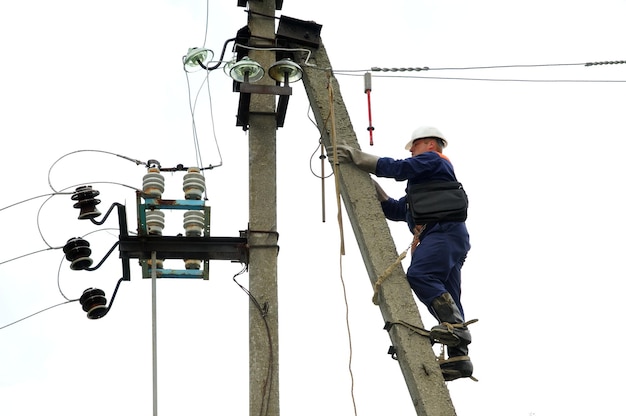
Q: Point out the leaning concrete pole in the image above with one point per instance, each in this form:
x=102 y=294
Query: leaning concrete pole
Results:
x=263 y=344
x=414 y=352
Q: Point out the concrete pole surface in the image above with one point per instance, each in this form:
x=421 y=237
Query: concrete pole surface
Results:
x=414 y=352
x=263 y=236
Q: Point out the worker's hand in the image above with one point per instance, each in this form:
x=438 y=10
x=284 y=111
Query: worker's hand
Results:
x=380 y=192
x=362 y=160
x=344 y=154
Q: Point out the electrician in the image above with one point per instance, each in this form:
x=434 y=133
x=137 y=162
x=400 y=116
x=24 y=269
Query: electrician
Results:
x=435 y=208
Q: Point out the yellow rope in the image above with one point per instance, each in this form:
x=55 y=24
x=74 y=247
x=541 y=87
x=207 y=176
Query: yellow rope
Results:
x=333 y=138
x=386 y=275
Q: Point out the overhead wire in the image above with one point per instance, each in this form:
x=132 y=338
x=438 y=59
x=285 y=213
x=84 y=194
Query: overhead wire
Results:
x=50 y=247
x=37 y=313
x=192 y=106
x=359 y=72
x=137 y=162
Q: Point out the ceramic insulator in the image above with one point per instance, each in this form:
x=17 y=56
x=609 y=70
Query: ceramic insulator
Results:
x=153 y=183
x=193 y=184
x=155 y=221
x=193 y=223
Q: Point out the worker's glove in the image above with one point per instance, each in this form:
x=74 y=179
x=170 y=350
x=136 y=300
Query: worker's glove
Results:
x=362 y=160
x=380 y=192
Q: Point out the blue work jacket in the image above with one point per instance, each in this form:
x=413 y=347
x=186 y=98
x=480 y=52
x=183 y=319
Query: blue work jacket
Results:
x=425 y=167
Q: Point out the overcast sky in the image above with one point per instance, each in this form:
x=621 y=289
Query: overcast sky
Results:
x=539 y=149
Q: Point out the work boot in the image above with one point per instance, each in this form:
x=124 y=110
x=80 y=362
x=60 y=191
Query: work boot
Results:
x=452 y=332
x=458 y=364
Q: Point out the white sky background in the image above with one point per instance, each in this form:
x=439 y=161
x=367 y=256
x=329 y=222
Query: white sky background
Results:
x=542 y=163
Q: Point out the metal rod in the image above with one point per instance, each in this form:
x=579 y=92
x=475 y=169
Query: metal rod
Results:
x=154 y=338
x=322 y=158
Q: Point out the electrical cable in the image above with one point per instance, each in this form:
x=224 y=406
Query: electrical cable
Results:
x=35 y=197
x=37 y=313
x=217 y=145
x=486 y=67
x=591 y=81
x=192 y=108
x=426 y=68
x=319 y=146
x=137 y=162
x=267 y=384
x=28 y=254
x=206 y=26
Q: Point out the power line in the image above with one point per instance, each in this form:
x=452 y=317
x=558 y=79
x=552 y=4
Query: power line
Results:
x=377 y=69
x=607 y=81
x=360 y=72
x=37 y=313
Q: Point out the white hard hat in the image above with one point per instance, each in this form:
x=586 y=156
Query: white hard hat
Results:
x=423 y=133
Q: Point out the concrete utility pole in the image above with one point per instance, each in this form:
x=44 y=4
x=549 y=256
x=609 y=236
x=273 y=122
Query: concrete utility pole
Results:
x=263 y=236
x=414 y=352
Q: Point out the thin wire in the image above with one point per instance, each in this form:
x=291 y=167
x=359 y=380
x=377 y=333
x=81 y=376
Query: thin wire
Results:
x=35 y=197
x=311 y=163
x=426 y=68
x=493 y=79
x=206 y=26
x=37 y=313
x=192 y=108
x=59 y=279
x=217 y=145
x=270 y=368
x=137 y=162
x=28 y=254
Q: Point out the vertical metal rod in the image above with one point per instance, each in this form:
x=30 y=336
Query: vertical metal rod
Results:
x=368 y=90
x=154 y=338
x=322 y=158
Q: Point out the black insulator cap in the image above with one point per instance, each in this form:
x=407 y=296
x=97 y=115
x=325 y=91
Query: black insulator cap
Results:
x=77 y=251
x=94 y=303
x=86 y=197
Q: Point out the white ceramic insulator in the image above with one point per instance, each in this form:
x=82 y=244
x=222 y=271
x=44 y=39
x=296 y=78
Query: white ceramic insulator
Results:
x=193 y=223
x=159 y=263
x=191 y=264
x=153 y=183
x=193 y=184
x=155 y=221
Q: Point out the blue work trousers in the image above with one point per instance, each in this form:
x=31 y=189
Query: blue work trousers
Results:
x=436 y=262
